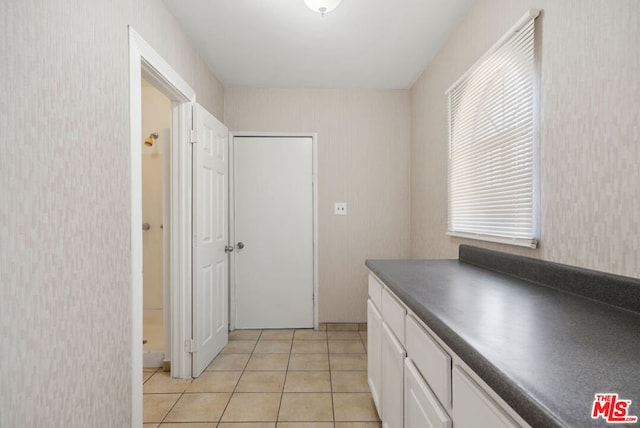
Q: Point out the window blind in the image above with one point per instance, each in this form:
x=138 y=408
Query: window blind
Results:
x=493 y=190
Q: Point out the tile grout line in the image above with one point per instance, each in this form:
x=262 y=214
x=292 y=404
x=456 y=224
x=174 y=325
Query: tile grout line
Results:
x=174 y=404
x=219 y=421
x=235 y=388
x=286 y=374
x=333 y=407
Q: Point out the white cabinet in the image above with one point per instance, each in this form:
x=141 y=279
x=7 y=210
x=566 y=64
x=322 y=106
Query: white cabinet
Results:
x=473 y=408
x=393 y=355
x=393 y=313
x=421 y=407
x=385 y=353
x=431 y=360
x=430 y=388
x=375 y=292
x=374 y=360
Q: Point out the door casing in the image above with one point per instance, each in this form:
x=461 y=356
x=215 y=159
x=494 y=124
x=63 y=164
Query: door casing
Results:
x=232 y=238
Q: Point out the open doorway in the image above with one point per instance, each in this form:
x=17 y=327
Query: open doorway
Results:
x=145 y=62
x=155 y=140
x=195 y=219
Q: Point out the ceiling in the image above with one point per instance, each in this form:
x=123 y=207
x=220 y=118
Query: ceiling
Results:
x=281 y=43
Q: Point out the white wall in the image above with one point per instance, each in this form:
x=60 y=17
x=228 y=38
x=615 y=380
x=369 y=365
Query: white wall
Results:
x=590 y=138
x=65 y=260
x=363 y=159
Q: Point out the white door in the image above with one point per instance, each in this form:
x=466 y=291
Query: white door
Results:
x=273 y=197
x=210 y=236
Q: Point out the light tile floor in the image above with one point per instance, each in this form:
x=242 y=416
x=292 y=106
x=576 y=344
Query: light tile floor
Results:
x=269 y=379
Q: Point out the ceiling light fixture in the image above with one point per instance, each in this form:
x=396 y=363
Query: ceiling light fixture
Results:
x=322 y=6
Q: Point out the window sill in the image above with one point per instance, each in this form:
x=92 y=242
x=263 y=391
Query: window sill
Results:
x=518 y=242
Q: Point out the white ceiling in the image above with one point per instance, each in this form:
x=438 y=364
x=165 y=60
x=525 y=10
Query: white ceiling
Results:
x=281 y=43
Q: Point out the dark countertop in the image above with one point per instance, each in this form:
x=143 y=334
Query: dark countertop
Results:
x=545 y=351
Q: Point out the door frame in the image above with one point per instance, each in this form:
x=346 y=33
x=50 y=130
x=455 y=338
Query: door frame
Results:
x=144 y=60
x=232 y=238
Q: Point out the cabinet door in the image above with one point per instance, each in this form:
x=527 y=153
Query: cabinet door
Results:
x=421 y=407
x=473 y=408
x=393 y=314
x=374 y=367
x=375 y=291
x=393 y=355
x=430 y=359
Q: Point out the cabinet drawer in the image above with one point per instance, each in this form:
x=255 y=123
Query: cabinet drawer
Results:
x=375 y=291
x=473 y=408
x=431 y=360
x=393 y=313
x=421 y=407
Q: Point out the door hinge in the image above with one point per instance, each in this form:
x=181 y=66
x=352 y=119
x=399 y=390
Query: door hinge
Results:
x=193 y=137
x=190 y=346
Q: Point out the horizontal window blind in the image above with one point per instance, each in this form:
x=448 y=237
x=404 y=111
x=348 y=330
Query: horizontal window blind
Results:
x=493 y=143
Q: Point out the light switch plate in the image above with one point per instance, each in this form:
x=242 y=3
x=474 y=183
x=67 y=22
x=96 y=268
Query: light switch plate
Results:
x=340 y=208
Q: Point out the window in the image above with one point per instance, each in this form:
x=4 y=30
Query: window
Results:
x=493 y=185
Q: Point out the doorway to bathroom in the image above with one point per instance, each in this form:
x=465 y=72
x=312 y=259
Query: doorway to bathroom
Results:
x=194 y=222
x=155 y=140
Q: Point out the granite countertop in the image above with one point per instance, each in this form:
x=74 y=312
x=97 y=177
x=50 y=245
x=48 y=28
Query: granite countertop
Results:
x=546 y=352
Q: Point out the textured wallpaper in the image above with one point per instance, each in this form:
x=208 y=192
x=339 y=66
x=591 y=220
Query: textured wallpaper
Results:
x=589 y=135
x=363 y=159
x=65 y=262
